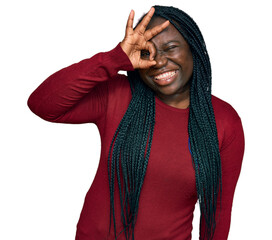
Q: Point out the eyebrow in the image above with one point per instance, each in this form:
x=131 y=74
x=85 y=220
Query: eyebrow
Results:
x=171 y=41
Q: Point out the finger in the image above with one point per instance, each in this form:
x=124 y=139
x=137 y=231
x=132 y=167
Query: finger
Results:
x=150 y=33
x=130 y=22
x=143 y=64
x=143 y=24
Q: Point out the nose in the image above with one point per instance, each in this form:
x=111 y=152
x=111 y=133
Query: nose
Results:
x=160 y=59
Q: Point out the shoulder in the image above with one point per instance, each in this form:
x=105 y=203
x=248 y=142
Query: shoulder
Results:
x=223 y=111
x=228 y=121
x=119 y=86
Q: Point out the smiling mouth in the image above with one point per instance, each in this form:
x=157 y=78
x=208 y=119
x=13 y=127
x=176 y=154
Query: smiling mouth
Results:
x=165 y=78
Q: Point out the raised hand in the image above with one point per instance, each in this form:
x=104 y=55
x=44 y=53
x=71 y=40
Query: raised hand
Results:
x=138 y=39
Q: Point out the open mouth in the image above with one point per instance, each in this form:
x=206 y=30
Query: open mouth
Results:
x=165 y=78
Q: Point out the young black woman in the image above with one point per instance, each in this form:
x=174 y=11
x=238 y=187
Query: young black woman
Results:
x=166 y=141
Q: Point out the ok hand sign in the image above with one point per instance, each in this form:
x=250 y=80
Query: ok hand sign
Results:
x=138 y=39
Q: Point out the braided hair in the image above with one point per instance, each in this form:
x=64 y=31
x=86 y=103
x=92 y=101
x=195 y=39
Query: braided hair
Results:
x=131 y=144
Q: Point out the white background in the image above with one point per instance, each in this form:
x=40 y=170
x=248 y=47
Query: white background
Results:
x=46 y=169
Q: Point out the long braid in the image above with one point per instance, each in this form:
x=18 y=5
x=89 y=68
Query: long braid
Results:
x=129 y=152
x=131 y=143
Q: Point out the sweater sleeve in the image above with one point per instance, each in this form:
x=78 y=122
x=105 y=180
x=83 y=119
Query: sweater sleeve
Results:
x=78 y=93
x=231 y=153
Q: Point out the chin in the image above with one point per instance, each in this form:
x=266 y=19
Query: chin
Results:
x=169 y=90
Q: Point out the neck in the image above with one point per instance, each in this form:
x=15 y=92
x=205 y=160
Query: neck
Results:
x=181 y=101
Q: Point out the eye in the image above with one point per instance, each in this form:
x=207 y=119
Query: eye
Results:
x=145 y=54
x=171 y=48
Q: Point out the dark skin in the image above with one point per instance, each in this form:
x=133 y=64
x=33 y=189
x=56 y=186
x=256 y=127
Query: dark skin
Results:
x=162 y=57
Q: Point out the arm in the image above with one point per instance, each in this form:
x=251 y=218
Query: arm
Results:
x=71 y=95
x=75 y=93
x=231 y=153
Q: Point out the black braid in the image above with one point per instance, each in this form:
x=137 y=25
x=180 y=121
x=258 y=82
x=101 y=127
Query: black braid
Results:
x=130 y=147
x=131 y=143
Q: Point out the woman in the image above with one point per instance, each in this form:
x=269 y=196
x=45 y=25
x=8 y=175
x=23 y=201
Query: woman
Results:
x=166 y=141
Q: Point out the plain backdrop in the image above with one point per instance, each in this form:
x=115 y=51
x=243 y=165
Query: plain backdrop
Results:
x=46 y=168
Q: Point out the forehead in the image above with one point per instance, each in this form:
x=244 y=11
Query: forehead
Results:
x=168 y=33
x=155 y=20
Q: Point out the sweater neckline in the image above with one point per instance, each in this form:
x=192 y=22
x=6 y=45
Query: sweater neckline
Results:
x=170 y=108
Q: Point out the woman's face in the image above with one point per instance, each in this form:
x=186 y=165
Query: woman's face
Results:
x=170 y=77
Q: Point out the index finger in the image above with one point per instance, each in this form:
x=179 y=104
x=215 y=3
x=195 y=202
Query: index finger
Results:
x=143 y=24
x=150 y=33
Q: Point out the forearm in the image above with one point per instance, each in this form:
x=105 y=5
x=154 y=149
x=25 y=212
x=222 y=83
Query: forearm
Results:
x=65 y=89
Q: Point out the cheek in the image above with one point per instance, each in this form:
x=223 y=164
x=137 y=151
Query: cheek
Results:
x=190 y=67
x=189 y=60
x=144 y=76
x=186 y=62
x=142 y=73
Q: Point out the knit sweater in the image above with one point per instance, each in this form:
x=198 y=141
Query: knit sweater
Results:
x=92 y=91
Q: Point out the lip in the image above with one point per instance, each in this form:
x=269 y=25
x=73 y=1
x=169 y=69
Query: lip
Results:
x=167 y=79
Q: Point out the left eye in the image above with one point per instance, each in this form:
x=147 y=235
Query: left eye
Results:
x=170 y=48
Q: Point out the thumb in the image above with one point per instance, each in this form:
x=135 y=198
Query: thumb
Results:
x=144 y=64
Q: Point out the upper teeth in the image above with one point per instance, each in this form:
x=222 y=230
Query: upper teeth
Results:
x=165 y=75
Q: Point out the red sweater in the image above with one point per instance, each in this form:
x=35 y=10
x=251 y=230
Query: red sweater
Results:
x=92 y=91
